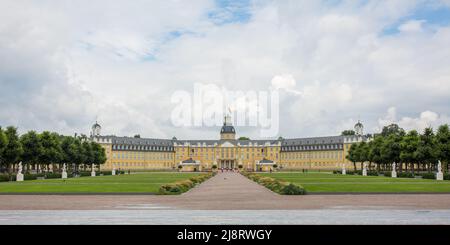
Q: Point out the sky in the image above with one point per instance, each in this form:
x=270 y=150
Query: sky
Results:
x=65 y=64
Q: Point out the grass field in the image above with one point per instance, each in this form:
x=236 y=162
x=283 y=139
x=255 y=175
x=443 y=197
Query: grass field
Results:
x=138 y=183
x=328 y=182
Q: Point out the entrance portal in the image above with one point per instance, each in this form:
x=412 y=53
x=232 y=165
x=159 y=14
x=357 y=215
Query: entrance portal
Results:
x=227 y=164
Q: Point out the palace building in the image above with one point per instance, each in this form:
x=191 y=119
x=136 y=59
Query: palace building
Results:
x=319 y=153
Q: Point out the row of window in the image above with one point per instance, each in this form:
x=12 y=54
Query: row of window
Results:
x=142 y=148
x=142 y=156
x=311 y=147
x=312 y=155
x=140 y=164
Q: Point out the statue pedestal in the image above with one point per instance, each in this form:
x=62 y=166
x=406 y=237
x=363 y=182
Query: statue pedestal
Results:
x=394 y=174
x=19 y=177
x=364 y=172
x=344 y=172
x=92 y=174
x=440 y=176
x=113 y=172
x=64 y=175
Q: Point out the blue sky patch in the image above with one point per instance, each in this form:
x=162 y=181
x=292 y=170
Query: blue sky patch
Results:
x=229 y=11
x=431 y=14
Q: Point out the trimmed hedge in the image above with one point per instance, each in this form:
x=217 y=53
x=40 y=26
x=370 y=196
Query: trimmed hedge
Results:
x=183 y=185
x=278 y=186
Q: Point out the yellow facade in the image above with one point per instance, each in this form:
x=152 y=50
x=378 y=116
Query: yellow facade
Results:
x=321 y=153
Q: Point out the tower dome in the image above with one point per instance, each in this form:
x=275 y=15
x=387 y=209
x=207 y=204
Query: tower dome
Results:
x=96 y=128
x=227 y=131
x=359 y=128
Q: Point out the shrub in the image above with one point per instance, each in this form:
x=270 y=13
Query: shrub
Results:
x=280 y=187
x=428 y=176
x=446 y=176
x=405 y=175
x=387 y=174
x=292 y=189
x=372 y=173
x=7 y=177
x=183 y=185
x=53 y=176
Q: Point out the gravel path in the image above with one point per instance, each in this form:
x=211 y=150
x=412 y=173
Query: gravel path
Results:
x=226 y=191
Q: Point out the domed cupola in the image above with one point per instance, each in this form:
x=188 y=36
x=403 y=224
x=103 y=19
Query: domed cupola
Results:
x=359 y=128
x=227 y=132
x=96 y=129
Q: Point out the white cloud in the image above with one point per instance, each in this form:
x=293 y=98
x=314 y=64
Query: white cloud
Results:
x=426 y=119
x=411 y=26
x=65 y=63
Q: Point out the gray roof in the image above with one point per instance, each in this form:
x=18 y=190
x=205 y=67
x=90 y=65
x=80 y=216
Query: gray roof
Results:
x=314 y=140
x=190 y=160
x=219 y=142
x=227 y=129
x=266 y=161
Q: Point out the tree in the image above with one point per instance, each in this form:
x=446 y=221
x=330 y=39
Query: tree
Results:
x=352 y=155
x=408 y=148
x=99 y=154
x=348 y=132
x=3 y=143
x=13 y=150
x=68 y=153
x=390 y=149
x=392 y=129
x=51 y=149
x=375 y=150
x=443 y=145
x=244 y=138
x=426 y=152
x=32 y=148
x=363 y=153
x=88 y=154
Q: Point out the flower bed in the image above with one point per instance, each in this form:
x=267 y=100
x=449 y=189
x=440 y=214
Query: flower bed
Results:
x=183 y=185
x=280 y=187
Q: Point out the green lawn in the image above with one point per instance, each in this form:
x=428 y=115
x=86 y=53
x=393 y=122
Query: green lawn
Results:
x=139 y=182
x=328 y=182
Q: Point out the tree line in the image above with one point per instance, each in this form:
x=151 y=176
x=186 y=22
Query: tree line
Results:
x=47 y=151
x=411 y=151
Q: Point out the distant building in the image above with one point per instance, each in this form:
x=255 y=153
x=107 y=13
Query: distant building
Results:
x=320 y=153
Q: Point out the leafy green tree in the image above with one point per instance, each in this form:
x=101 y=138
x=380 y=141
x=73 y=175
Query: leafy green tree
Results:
x=352 y=154
x=390 y=150
x=3 y=143
x=375 y=150
x=443 y=145
x=13 y=150
x=363 y=153
x=68 y=152
x=244 y=138
x=99 y=154
x=392 y=129
x=87 y=154
x=32 y=148
x=426 y=152
x=348 y=132
x=408 y=148
x=78 y=157
x=51 y=152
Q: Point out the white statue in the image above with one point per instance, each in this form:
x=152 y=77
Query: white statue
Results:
x=364 y=171
x=113 y=172
x=394 y=170
x=19 y=176
x=64 y=172
x=439 y=174
x=344 y=172
x=93 y=170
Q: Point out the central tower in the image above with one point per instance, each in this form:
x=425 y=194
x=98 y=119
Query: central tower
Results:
x=227 y=132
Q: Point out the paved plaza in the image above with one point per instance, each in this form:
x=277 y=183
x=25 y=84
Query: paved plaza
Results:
x=227 y=198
